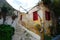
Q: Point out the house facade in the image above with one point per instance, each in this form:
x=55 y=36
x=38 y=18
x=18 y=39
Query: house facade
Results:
x=39 y=15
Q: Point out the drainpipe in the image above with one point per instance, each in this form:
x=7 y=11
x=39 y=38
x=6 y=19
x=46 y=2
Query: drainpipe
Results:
x=42 y=22
x=42 y=28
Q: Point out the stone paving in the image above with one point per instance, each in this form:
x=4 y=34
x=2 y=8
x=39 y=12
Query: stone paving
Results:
x=21 y=34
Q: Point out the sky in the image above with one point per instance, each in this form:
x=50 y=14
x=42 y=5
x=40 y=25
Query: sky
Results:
x=23 y=4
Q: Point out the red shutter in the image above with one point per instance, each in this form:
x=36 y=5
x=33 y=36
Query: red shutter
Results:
x=47 y=15
x=35 y=16
x=20 y=17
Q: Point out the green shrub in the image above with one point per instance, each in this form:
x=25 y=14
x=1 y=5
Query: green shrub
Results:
x=47 y=37
x=6 y=32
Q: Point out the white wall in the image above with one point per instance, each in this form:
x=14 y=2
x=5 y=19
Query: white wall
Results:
x=9 y=21
x=1 y=21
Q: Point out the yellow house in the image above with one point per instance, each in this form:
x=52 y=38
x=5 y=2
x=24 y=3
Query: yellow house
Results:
x=28 y=22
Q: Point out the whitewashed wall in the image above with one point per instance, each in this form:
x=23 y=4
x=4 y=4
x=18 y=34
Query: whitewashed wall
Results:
x=1 y=21
x=9 y=21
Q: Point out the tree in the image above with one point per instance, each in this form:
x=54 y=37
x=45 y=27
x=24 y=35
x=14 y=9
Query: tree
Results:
x=4 y=12
x=54 y=5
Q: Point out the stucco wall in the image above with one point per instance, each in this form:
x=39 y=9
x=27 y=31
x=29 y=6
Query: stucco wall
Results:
x=9 y=21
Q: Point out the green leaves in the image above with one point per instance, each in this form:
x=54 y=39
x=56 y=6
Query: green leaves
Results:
x=6 y=32
x=4 y=9
x=52 y=2
x=53 y=5
x=46 y=1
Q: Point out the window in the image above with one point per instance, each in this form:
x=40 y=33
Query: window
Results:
x=47 y=15
x=20 y=17
x=35 y=16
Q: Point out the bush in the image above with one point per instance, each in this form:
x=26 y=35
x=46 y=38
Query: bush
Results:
x=6 y=32
x=47 y=37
